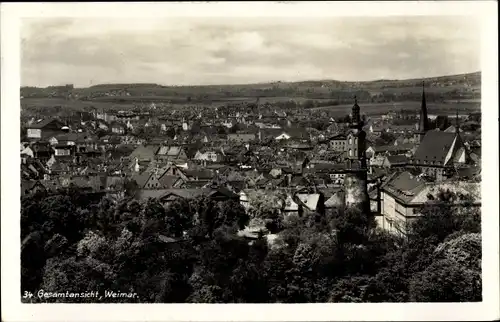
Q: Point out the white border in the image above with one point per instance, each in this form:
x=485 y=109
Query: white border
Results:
x=13 y=310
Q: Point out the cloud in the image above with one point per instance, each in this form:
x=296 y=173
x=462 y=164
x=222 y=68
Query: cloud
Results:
x=228 y=50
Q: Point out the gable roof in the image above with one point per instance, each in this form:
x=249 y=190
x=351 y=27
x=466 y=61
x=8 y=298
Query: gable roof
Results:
x=44 y=123
x=141 y=179
x=434 y=147
x=168 y=181
x=144 y=194
x=404 y=186
x=340 y=136
x=182 y=193
x=224 y=192
x=397 y=159
x=201 y=174
x=337 y=199
x=241 y=137
x=393 y=148
x=144 y=152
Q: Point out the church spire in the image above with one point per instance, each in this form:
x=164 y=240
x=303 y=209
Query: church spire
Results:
x=424 y=121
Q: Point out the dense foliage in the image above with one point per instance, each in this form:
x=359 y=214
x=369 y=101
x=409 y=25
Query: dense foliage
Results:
x=189 y=251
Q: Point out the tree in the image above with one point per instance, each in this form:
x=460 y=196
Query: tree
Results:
x=170 y=132
x=351 y=290
x=76 y=275
x=386 y=138
x=445 y=281
x=441 y=217
x=207 y=294
x=178 y=218
x=231 y=213
x=308 y=104
x=352 y=225
x=263 y=204
x=462 y=248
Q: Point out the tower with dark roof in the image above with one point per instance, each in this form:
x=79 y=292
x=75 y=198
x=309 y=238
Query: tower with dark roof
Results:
x=423 y=124
x=355 y=182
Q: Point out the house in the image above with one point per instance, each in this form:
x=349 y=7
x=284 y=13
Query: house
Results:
x=144 y=152
x=402 y=129
x=222 y=194
x=173 y=170
x=337 y=143
x=102 y=125
x=375 y=129
x=27 y=152
x=171 y=182
x=404 y=139
x=199 y=175
x=143 y=180
x=53 y=141
x=403 y=194
x=171 y=195
x=300 y=202
x=171 y=153
x=62 y=150
x=31 y=186
x=268 y=133
x=283 y=136
x=373 y=153
x=118 y=128
x=210 y=155
x=241 y=137
x=335 y=171
x=44 y=128
x=335 y=200
x=392 y=161
x=167 y=196
x=42 y=151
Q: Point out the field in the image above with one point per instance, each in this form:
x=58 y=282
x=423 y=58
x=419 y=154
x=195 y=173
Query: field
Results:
x=382 y=108
x=71 y=104
x=447 y=108
x=444 y=95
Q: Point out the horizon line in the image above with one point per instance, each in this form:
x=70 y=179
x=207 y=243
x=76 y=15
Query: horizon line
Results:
x=260 y=83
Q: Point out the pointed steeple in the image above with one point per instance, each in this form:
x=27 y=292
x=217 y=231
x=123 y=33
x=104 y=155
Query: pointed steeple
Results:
x=423 y=125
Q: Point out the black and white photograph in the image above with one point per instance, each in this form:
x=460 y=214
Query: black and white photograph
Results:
x=253 y=159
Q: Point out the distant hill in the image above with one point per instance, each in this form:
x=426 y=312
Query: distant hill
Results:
x=473 y=78
x=450 y=87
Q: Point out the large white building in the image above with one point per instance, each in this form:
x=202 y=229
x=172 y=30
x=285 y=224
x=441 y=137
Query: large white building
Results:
x=402 y=195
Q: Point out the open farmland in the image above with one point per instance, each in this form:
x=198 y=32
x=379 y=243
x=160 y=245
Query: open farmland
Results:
x=444 y=95
x=382 y=108
x=65 y=104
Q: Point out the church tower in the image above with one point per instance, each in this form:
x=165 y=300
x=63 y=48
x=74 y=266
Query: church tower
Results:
x=355 y=182
x=423 y=124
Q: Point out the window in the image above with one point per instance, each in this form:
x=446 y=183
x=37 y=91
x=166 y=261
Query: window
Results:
x=350 y=152
x=350 y=140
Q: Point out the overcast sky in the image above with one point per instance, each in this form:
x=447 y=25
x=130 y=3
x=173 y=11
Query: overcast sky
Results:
x=201 y=50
